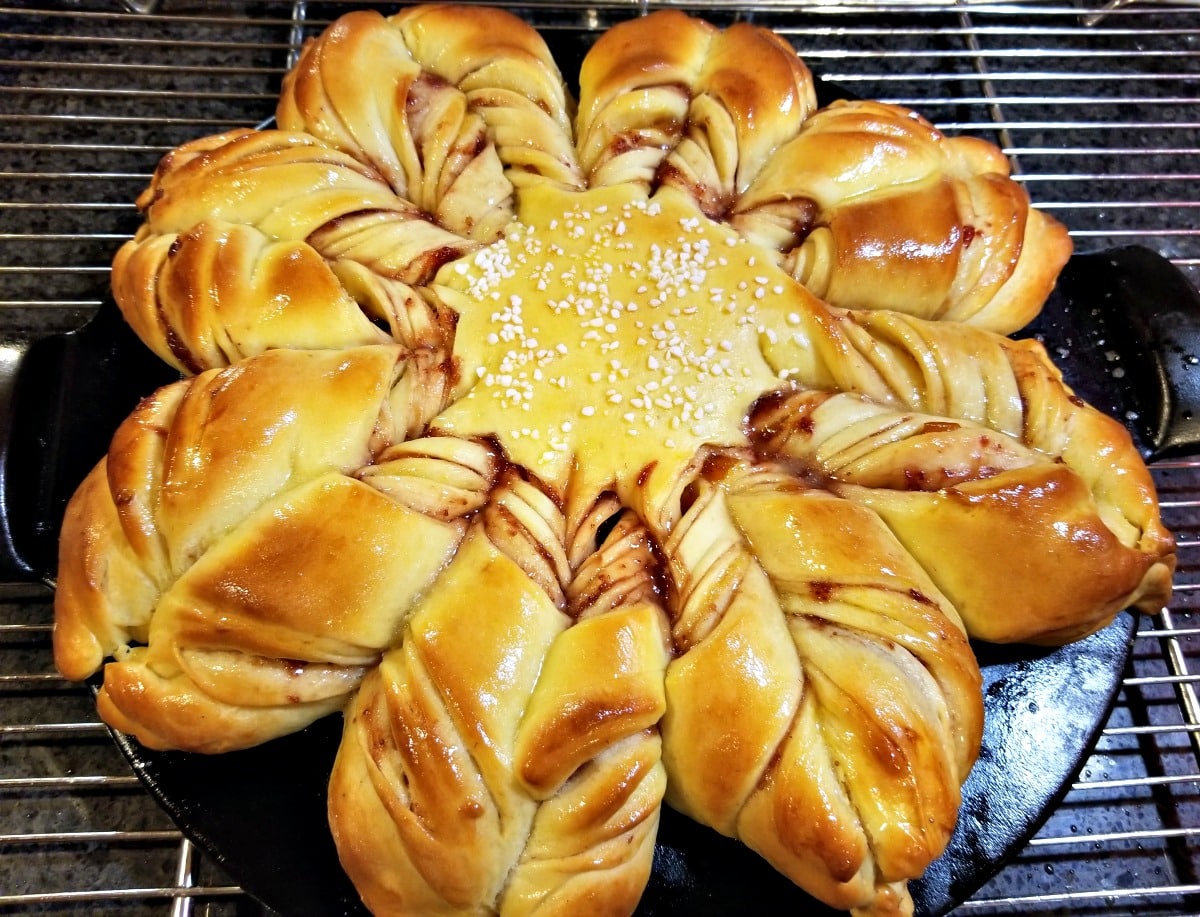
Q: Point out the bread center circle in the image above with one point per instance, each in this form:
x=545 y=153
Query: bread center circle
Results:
x=607 y=330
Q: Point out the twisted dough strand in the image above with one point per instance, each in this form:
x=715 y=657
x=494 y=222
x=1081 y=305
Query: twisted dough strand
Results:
x=785 y=725
x=621 y=571
x=934 y=228
x=589 y=746
x=232 y=260
x=216 y=504
x=420 y=98
x=1054 y=488
x=521 y=777
x=686 y=112
x=438 y=476
x=508 y=76
x=358 y=88
x=634 y=97
x=527 y=525
x=326 y=95
x=424 y=806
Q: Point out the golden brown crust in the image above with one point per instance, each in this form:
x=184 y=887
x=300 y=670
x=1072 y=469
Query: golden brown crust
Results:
x=684 y=110
x=523 y=776
x=935 y=229
x=103 y=597
x=454 y=106
x=961 y=439
x=826 y=707
x=221 y=553
x=634 y=95
x=507 y=73
x=232 y=261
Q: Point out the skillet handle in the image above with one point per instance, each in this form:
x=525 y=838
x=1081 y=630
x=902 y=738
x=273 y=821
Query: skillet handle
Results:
x=1124 y=326
x=60 y=402
x=13 y=567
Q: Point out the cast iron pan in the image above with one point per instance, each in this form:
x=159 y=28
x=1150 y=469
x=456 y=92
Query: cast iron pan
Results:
x=1123 y=325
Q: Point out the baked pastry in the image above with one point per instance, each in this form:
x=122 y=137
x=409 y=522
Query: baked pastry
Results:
x=963 y=441
x=516 y=436
x=525 y=775
x=824 y=704
x=238 y=263
x=935 y=228
x=191 y=552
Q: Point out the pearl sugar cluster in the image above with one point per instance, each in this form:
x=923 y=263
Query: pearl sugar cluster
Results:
x=608 y=307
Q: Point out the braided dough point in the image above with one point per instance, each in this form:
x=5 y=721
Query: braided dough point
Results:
x=968 y=443
x=825 y=709
x=454 y=106
x=935 y=228
x=507 y=73
x=686 y=111
x=232 y=262
x=523 y=776
x=254 y=581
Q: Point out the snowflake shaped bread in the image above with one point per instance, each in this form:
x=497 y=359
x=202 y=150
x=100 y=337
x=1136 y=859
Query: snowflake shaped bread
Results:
x=668 y=451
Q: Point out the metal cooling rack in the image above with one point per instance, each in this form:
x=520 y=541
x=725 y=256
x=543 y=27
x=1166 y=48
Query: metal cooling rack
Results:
x=1099 y=107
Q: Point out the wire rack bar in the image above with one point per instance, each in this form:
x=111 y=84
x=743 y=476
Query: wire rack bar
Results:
x=121 y=895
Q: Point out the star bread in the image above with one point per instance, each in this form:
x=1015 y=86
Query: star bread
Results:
x=659 y=448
